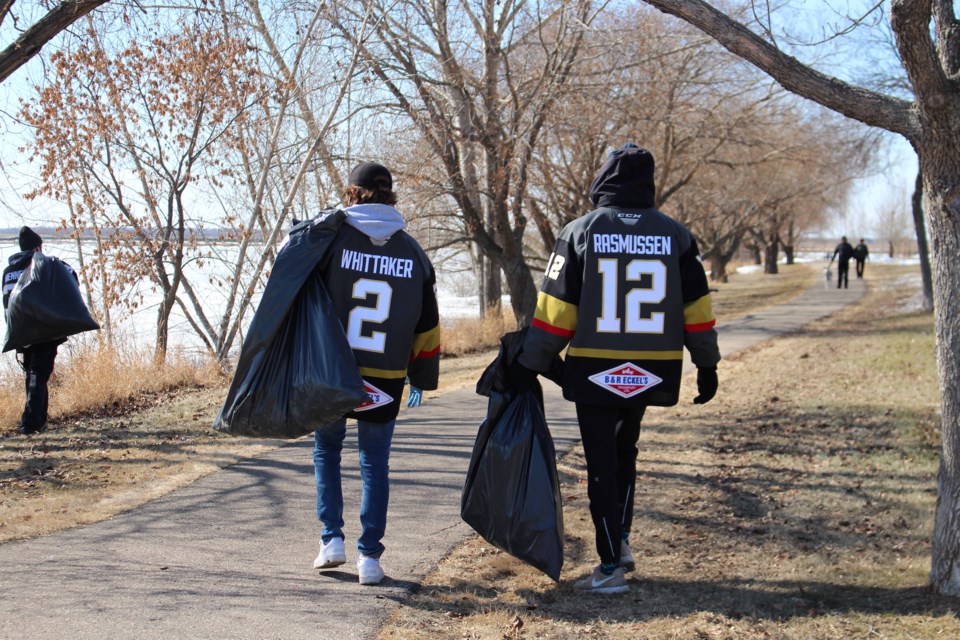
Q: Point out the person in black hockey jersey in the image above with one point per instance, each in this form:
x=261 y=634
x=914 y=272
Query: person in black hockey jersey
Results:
x=626 y=290
x=383 y=287
x=38 y=359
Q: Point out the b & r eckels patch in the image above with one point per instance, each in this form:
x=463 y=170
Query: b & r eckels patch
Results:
x=377 y=398
x=626 y=380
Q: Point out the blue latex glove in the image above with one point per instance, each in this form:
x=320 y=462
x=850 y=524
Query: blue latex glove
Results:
x=415 y=397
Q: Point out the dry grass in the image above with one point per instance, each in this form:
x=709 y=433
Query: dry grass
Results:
x=798 y=504
x=90 y=376
x=465 y=336
x=747 y=293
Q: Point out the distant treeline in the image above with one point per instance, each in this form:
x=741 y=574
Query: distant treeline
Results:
x=11 y=234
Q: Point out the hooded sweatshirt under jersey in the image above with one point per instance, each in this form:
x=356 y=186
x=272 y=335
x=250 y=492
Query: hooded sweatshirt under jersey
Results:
x=626 y=290
x=384 y=289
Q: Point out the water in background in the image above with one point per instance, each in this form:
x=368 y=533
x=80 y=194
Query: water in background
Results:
x=138 y=327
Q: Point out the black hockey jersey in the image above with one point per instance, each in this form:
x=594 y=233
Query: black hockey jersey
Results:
x=626 y=289
x=383 y=287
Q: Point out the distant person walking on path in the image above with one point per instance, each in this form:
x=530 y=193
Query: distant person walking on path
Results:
x=38 y=359
x=383 y=287
x=626 y=289
x=843 y=253
x=860 y=253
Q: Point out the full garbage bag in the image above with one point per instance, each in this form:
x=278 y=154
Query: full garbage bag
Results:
x=296 y=371
x=45 y=305
x=511 y=495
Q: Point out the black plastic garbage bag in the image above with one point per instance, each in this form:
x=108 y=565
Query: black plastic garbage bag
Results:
x=512 y=493
x=511 y=496
x=296 y=371
x=45 y=305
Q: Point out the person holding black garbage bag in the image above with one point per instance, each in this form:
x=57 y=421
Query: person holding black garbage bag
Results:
x=626 y=290
x=38 y=358
x=383 y=288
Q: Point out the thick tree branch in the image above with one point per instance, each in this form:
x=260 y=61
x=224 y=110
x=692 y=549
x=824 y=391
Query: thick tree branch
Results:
x=869 y=107
x=33 y=39
x=935 y=93
x=948 y=35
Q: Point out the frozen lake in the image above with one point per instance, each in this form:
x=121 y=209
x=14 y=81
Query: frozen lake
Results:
x=138 y=326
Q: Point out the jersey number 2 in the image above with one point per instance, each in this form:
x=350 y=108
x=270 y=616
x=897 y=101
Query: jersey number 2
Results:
x=378 y=313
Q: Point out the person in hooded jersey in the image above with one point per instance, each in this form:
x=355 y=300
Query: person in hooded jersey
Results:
x=626 y=290
x=38 y=359
x=384 y=290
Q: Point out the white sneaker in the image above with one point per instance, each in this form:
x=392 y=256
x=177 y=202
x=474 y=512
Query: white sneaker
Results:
x=369 y=570
x=331 y=554
x=626 y=558
x=598 y=582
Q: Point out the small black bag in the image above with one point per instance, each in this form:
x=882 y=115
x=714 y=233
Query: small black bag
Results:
x=45 y=305
x=296 y=371
x=511 y=495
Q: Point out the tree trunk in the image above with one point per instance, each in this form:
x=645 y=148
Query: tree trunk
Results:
x=492 y=287
x=788 y=252
x=771 y=254
x=922 y=248
x=718 y=269
x=523 y=292
x=163 y=331
x=942 y=201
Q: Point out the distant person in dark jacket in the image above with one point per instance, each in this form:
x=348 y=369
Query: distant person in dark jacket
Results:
x=37 y=358
x=843 y=253
x=860 y=253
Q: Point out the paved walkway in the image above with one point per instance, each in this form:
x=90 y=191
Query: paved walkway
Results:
x=230 y=555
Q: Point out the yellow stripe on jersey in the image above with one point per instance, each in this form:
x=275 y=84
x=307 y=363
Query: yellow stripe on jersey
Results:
x=426 y=344
x=555 y=313
x=699 y=312
x=382 y=373
x=617 y=354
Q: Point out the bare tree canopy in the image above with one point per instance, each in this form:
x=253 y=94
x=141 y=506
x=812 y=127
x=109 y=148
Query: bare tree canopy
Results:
x=33 y=39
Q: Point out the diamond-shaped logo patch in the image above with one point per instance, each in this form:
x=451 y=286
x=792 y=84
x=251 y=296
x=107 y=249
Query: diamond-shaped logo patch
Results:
x=626 y=380
x=377 y=398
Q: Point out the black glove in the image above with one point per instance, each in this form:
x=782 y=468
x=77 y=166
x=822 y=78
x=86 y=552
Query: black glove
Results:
x=520 y=377
x=706 y=384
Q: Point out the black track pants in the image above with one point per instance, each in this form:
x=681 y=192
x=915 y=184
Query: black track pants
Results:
x=38 y=366
x=609 y=436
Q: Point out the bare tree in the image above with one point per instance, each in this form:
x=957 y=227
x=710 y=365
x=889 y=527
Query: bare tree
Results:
x=121 y=136
x=893 y=224
x=731 y=148
x=927 y=36
x=218 y=121
x=478 y=80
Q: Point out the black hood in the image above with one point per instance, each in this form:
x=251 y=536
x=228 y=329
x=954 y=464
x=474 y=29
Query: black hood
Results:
x=625 y=180
x=20 y=258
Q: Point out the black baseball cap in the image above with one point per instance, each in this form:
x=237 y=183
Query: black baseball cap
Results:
x=371 y=175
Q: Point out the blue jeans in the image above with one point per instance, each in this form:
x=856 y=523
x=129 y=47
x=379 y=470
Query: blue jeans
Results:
x=373 y=439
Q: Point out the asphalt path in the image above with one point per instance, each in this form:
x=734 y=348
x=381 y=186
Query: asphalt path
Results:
x=230 y=555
